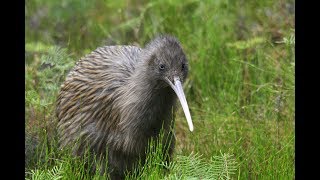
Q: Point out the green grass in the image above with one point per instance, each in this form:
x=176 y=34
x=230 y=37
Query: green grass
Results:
x=240 y=87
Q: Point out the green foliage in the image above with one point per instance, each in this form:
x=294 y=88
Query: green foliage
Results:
x=195 y=167
x=192 y=166
x=240 y=89
x=55 y=173
x=246 y=44
x=44 y=74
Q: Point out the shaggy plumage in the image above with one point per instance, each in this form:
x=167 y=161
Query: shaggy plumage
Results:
x=116 y=99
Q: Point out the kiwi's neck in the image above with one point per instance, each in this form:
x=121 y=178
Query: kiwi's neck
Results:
x=150 y=104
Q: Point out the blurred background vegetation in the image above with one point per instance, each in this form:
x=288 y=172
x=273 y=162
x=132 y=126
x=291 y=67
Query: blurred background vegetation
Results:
x=240 y=87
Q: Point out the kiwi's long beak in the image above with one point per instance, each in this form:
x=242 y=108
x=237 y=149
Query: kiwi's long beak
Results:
x=177 y=87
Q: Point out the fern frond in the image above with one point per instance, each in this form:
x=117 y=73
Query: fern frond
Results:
x=55 y=173
x=195 y=167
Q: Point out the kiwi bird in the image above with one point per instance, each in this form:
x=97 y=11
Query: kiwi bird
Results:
x=117 y=98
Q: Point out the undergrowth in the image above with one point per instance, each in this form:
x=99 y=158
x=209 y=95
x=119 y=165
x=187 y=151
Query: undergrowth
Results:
x=240 y=88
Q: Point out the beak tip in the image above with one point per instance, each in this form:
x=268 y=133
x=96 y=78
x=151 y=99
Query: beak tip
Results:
x=191 y=128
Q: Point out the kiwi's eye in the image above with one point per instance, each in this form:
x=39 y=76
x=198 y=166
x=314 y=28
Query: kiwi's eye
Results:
x=183 y=66
x=161 y=66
